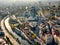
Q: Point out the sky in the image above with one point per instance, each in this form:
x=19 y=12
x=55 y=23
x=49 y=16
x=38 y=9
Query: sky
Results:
x=9 y=1
x=25 y=0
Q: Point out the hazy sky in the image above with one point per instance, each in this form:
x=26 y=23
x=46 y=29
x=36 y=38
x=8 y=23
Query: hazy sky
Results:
x=22 y=1
x=25 y=0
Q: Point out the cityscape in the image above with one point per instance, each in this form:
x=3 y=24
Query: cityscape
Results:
x=30 y=22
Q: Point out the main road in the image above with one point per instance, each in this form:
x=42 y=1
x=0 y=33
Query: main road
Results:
x=7 y=34
x=7 y=24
